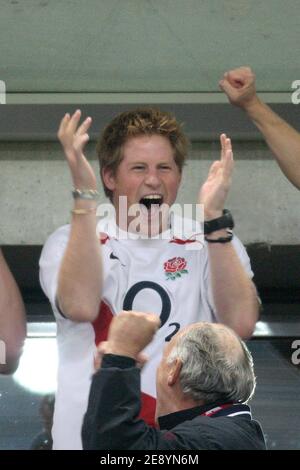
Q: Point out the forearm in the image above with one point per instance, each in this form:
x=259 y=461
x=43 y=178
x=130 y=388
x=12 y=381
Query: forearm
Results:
x=283 y=140
x=114 y=404
x=233 y=292
x=12 y=318
x=80 y=275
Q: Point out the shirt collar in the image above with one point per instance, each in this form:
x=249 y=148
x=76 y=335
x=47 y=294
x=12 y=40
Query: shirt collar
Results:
x=213 y=410
x=181 y=229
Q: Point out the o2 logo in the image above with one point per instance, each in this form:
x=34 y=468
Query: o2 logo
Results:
x=296 y=354
x=165 y=300
x=296 y=93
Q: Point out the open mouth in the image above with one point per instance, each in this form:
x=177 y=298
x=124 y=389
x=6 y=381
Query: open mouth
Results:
x=151 y=200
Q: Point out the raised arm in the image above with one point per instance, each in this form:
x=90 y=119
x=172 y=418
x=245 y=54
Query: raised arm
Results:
x=80 y=275
x=283 y=140
x=12 y=320
x=234 y=294
x=111 y=420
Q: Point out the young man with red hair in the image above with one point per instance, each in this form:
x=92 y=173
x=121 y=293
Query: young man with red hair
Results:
x=150 y=266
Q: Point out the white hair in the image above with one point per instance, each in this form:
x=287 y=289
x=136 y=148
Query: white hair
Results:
x=210 y=372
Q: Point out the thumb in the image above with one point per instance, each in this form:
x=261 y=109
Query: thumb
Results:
x=225 y=86
x=101 y=350
x=141 y=359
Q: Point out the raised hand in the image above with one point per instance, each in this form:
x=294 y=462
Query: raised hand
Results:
x=239 y=86
x=73 y=138
x=130 y=332
x=215 y=189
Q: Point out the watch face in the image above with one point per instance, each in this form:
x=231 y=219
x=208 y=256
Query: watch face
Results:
x=225 y=221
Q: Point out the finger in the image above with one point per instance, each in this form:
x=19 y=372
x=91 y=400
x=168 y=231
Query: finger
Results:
x=223 y=145
x=223 y=140
x=228 y=157
x=228 y=170
x=84 y=126
x=226 y=86
x=73 y=123
x=228 y=161
x=141 y=360
x=242 y=74
x=221 y=84
x=155 y=320
x=80 y=142
x=214 y=169
x=63 y=124
x=236 y=78
x=233 y=79
x=228 y=144
x=97 y=361
x=101 y=350
x=102 y=347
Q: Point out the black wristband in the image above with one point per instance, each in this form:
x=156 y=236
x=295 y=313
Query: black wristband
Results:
x=221 y=239
x=225 y=221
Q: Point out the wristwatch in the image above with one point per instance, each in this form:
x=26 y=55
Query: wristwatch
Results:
x=225 y=221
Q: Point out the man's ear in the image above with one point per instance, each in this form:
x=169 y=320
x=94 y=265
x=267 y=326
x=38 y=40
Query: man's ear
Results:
x=174 y=373
x=109 y=178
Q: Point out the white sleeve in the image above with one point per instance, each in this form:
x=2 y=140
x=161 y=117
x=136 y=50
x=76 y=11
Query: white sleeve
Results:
x=50 y=262
x=243 y=255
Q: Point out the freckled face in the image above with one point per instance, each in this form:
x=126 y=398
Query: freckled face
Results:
x=147 y=174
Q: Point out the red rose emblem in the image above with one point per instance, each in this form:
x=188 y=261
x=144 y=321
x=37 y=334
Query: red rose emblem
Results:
x=175 y=265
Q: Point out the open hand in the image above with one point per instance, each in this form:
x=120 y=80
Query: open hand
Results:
x=73 y=138
x=215 y=189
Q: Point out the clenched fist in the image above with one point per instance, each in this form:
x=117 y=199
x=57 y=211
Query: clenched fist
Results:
x=239 y=86
x=130 y=332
